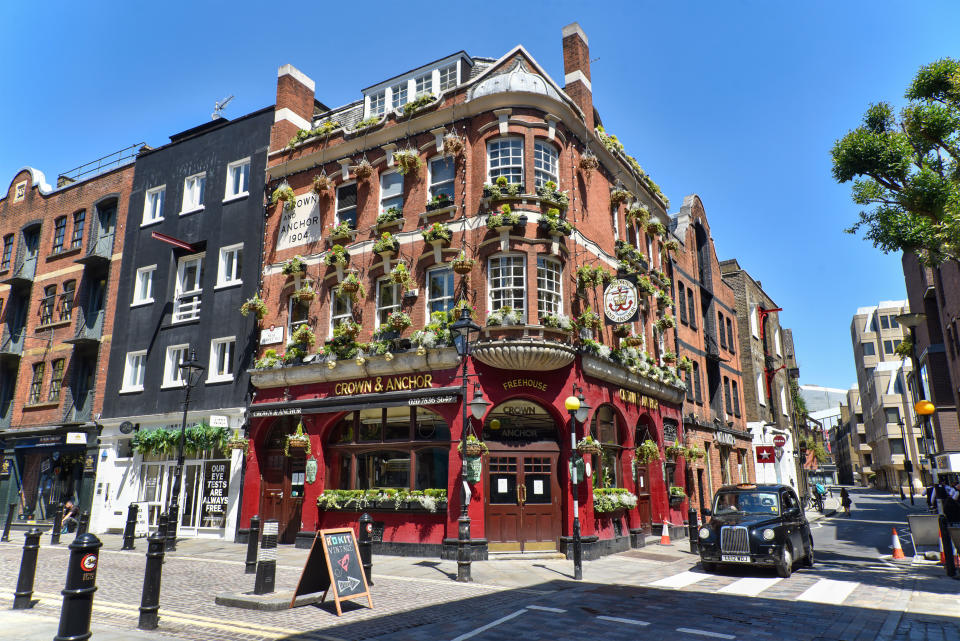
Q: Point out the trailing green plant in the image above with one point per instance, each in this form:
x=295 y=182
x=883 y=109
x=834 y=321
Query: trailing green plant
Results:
x=285 y=193
x=439 y=201
x=694 y=454
x=502 y=188
x=340 y=230
x=677 y=492
x=294 y=266
x=505 y=315
x=255 y=306
x=435 y=333
x=400 y=274
x=386 y=243
x=473 y=443
x=322 y=183
x=557 y=321
x=646 y=287
x=344 y=344
x=304 y=295
x=435 y=232
x=615 y=147
x=417 y=104
x=303 y=336
x=663 y=298
x=553 y=223
x=506 y=217
x=549 y=192
x=304 y=134
x=337 y=255
x=648 y=452
x=905 y=348
x=588 y=319
x=399 y=321
x=638 y=213
x=596 y=348
x=268 y=360
x=297 y=439
x=619 y=195
x=665 y=322
x=589 y=276
x=675 y=450
x=375 y=498
x=407 y=161
x=611 y=499
x=672 y=245
x=656 y=228
x=367 y=123
x=197 y=438
x=352 y=287
x=389 y=215
x=685 y=364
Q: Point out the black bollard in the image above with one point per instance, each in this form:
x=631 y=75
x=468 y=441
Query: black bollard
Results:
x=162 y=526
x=947 y=542
x=57 y=524
x=130 y=529
x=6 y=525
x=84 y=523
x=267 y=559
x=365 y=545
x=78 y=593
x=150 y=598
x=694 y=535
x=253 y=539
x=28 y=570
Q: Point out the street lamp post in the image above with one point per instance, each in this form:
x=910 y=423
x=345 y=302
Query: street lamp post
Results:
x=907 y=463
x=925 y=409
x=461 y=331
x=190 y=371
x=578 y=409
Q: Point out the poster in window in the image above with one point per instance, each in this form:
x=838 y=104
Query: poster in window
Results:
x=216 y=489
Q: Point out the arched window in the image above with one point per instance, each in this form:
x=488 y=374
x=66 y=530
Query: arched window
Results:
x=606 y=428
x=389 y=447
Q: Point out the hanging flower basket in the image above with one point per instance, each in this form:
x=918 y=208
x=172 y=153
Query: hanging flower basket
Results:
x=294 y=266
x=589 y=445
x=474 y=447
x=238 y=443
x=463 y=265
x=589 y=162
x=453 y=144
x=618 y=196
x=322 y=184
x=675 y=451
x=647 y=452
x=622 y=331
x=349 y=286
x=407 y=161
x=363 y=169
x=255 y=306
x=297 y=442
x=304 y=295
x=633 y=341
x=284 y=193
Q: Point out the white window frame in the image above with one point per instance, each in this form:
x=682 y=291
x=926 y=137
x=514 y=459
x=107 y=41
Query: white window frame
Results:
x=194 y=314
x=377 y=104
x=336 y=205
x=217 y=345
x=153 y=211
x=544 y=302
x=138 y=286
x=761 y=390
x=433 y=296
x=335 y=319
x=491 y=288
x=754 y=323
x=497 y=141
x=292 y=325
x=384 y=175
x=192 y=200
x=441 y=81
x=229 y=195
x=545 y=151
x=427 y=85
x=783 y=401
x=777 y=345
x=223 y=278
x=134 y=364
x=396 y=306
x=402 y=88
x=172 y=374
x=451 y=181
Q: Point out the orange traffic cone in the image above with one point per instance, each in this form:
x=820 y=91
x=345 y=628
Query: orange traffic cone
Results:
x=943 y=558
x=897 y=550
x=665 y=536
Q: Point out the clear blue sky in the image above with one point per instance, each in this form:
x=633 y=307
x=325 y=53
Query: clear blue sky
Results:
x=737 y=101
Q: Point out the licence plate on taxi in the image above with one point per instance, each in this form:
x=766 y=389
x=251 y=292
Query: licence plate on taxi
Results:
x=735 y=558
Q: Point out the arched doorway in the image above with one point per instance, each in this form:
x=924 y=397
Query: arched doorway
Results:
x=646 y=431
x=522 y=482
x=281 y=486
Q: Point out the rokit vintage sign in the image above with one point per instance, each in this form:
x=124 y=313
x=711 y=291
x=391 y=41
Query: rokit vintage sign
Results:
x=301 y=225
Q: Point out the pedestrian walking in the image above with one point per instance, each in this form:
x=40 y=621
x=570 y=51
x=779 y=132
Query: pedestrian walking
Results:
x=845 y=501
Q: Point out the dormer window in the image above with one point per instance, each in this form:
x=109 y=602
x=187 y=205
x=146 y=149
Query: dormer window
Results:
x=399 y=95
x=378 y=103
x=423 y=85
x=394 y=93
x=448 y=77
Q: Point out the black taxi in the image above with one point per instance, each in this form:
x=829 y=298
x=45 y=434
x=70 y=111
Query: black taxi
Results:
x=753 y=524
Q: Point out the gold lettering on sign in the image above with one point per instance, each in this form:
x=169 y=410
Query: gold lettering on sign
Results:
x=525 y=382
x=379 y=384
x=639 y=400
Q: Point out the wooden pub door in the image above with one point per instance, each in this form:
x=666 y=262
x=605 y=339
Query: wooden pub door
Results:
x=277 y=495
x=523 y=510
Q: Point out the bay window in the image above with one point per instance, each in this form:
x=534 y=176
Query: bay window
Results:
x=545 y=163
x=505 y=158
x=549 y=294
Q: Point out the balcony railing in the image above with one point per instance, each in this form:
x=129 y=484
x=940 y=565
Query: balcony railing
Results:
x=77 y=410
x=99 y=248
x=187 y=308
x=11 y=342
x=22 y=273
x=89 y=327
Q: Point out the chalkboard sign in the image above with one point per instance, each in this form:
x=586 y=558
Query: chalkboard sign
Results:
x=334 y=566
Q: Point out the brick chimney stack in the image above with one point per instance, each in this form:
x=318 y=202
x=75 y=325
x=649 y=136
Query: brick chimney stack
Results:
x=576 y=70
x=294 y=106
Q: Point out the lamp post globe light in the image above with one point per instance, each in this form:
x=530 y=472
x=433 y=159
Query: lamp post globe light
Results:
x=578 y=410
x=926 y=409
x=462 y=332
x=190 y=371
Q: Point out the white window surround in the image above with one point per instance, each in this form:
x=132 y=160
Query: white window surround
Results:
x=133 y=372
x=188 y=288
x=376 y=104
x=500 y=291
x=438 y=77
x=238 y=180
x=445 y=184
x=222 y=351
x=754 y=324
x=172 y=374
x=341 y=309
x=386 y=307
x=546 y=163
x=777 y=345
x=423 y=84
x=229 y=266
x=143 y=286
x=783 y=401
x=292 y=324
x=193 y=193
x=440 y=298
x=761 y=391
x=153 y=205
x=448 y=77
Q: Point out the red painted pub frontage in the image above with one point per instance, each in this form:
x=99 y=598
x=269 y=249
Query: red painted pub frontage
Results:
x=372 y=427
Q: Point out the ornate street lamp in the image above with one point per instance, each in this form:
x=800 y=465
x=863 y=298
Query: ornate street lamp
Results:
x=579 y=410
x=462 y=332
x=926 y=409
x=191 y=371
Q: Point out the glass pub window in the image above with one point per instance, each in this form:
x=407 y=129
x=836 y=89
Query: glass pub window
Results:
x=440 y=290
x=505 y=158
x=508 y=283
x=549 y=295
x=347 y=205
x=545 y=161
x=78 y=221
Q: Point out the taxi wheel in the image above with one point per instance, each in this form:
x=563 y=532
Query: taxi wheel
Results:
x=785 y=565
x=808 y=560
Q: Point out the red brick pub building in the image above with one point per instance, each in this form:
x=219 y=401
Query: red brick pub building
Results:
x=408 y=176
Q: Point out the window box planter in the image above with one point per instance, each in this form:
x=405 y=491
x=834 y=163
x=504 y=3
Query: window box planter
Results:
x=439 y=202
x=504 y=192
x=396 y=224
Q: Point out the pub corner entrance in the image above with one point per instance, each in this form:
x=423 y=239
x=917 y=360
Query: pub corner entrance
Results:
x=523 y=511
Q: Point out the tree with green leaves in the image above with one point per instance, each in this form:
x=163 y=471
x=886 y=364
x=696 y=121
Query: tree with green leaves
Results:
x=906 y=167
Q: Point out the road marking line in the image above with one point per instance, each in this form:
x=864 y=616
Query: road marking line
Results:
x=545 y=608
x=828 y=591
x=707 y=633
x=486 y=627
x=620 y=620
x=749 y=586
x=681 y=580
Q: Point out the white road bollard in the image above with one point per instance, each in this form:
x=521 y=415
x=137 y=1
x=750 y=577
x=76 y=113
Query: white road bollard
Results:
x=267 y=558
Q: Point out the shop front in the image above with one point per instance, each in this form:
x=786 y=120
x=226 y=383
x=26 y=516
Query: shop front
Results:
x=382 y=438
x=44 y=467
